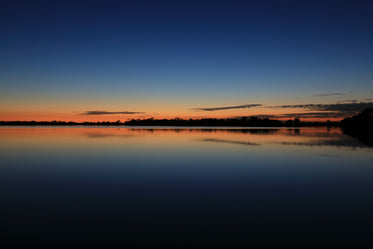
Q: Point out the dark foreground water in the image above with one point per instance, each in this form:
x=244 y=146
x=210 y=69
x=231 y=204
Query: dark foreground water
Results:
x=200 y=187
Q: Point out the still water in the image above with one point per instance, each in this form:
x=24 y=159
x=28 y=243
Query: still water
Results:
x=200 y=185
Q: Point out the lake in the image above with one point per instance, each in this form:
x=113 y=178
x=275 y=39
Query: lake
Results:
x=203 y=186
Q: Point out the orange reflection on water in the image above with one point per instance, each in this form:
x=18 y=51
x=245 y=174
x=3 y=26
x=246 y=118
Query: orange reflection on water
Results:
x=170 y=135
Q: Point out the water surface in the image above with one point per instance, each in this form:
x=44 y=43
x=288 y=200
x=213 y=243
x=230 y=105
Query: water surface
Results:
x=179 y=185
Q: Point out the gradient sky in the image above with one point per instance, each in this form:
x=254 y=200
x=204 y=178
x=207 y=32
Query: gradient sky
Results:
x=60 y=60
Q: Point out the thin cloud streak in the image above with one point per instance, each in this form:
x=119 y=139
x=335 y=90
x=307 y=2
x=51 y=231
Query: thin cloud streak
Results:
x=327 y=94
x=349 y=101
x=211 y=109
x=305 y=115
x=338 y=110
x=340 y=107
x=109 y=113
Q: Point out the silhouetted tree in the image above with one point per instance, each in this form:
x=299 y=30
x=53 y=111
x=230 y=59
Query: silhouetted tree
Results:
x=289 y=123
x=296 y=122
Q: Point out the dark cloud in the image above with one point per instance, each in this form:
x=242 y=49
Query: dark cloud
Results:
x=327 y=94
x=109 y=113
x=347 y=101
x=310 y=115
x=315 y=115
x=339 y=110
x=303 y=115
x=210 y=109
x=338 y=107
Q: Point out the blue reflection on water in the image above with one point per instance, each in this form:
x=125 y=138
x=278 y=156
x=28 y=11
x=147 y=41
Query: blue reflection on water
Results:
x=183 y=184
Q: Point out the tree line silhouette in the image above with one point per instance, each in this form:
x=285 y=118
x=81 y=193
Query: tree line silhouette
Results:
x=360 y=126
x=229 y=122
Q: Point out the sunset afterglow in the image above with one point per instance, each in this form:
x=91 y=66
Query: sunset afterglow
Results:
x=62 y=59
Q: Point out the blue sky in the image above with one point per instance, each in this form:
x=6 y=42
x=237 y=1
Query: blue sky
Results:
x=147 y=54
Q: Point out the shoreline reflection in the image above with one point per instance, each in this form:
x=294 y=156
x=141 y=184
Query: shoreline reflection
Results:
x=241 y=136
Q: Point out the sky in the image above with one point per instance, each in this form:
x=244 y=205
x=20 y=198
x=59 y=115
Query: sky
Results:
x=118 y=60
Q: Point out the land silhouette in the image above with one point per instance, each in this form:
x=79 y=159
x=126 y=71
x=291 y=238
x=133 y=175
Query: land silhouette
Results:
x=362 y=122
x=205 y=122
x=360 y=126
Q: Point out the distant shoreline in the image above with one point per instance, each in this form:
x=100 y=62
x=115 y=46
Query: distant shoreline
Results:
x=243 y=122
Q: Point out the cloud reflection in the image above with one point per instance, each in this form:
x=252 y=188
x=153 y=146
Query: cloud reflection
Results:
x=228 y=141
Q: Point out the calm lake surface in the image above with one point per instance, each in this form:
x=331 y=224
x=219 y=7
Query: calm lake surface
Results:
x=180 y=185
